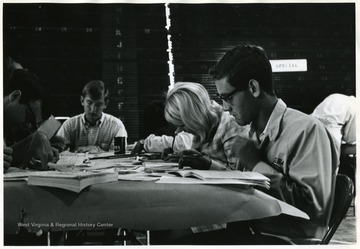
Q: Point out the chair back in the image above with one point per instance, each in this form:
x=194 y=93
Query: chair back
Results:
x=344 y=192
x=62 y=119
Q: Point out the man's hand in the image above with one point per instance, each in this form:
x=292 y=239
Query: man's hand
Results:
x=194 y=159
x=92 y=149
x=247 y=153
x=7 y=157
x=58 y=143
x=39 y=152
x=56 y=156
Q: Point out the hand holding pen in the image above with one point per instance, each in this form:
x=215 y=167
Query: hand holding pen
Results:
x=194 y=159
x=168 y=154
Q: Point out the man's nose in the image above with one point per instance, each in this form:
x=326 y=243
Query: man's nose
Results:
x=227 y=106
x=92 y=108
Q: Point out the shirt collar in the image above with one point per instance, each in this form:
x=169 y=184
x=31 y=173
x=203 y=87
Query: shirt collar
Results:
x=273 y=125
x=100 y=121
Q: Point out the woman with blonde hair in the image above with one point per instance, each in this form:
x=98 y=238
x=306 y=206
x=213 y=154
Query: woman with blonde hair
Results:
x=189 y=108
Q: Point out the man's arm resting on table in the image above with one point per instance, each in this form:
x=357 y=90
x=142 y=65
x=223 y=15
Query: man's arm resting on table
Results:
x=284 y=187
x=306 y=181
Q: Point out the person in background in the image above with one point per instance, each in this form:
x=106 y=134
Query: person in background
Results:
x=293 y=149
x=93 y=131
x=24 y=146
x=338 y=113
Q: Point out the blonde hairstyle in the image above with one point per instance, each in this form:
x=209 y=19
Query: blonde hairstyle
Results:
x=188 y=104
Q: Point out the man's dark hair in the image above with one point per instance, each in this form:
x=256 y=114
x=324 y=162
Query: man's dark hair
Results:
x=28 y=83
x=95 y=89
x=243 y=63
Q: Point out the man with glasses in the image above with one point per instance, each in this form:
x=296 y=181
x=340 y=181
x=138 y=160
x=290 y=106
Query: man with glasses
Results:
x=293 y=149
x=24 y=146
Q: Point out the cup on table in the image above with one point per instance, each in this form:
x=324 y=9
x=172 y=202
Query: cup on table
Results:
x=119 y=145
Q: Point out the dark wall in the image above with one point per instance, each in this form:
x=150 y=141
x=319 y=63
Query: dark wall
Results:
x=125 y=45
x=324 y=34
x=61 y=45
x=134 y=45
x=67 y=45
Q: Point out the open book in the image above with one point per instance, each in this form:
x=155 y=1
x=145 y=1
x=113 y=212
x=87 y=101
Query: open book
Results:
x=159 y=166
x=216 y=177
x=72 y=180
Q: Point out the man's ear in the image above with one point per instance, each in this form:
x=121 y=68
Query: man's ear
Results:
x=254 y=88
x=15 y=95
x=82 y=100
x=106 y=103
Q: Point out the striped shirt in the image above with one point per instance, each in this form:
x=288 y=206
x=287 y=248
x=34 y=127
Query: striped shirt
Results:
x=220 y=148
x=77 y=132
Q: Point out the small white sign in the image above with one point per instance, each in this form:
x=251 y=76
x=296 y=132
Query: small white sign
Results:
x=299 y=65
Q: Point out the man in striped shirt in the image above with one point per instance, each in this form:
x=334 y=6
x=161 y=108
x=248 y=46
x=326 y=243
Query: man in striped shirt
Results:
x=93 y=131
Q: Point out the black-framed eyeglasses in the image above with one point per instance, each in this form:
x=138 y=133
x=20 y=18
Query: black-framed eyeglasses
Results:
x=227 y=97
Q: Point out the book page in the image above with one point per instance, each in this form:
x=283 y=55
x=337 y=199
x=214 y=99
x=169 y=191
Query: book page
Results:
x=169 y=179
x=224 y=174
x=71 y=174
x=16 y=174
x=156 y=166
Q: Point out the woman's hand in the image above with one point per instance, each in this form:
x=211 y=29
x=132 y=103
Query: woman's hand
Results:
x=194 y=159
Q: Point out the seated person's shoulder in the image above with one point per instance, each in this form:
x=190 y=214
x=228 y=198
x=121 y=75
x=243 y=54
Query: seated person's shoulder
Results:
x=72 y=122
x=116 y=125
x=73 y=119
x=339 y=98
x=298 y=121
x=112 y=119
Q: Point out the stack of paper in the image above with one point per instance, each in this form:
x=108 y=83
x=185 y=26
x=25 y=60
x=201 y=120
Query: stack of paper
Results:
x=139 y=176
x=72 y=180
x=216 y=177
x=17 y=174
x=68 y=158
x=84 y=161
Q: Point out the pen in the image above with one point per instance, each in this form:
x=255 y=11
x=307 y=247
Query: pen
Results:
x=112 y=157
x=172 y=146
